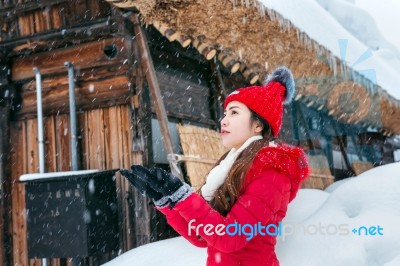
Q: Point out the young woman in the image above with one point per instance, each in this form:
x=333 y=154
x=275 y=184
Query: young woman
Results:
x=237 y=211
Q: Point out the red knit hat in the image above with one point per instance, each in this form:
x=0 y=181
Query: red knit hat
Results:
x=267 y=100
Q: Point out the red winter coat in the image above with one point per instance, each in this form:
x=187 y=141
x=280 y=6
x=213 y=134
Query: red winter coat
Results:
x=271 y=183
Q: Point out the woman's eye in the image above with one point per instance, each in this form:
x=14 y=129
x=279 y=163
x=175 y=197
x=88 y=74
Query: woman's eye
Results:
x=234 y=112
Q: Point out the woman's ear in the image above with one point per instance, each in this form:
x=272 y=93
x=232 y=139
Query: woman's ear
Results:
x=258 y=127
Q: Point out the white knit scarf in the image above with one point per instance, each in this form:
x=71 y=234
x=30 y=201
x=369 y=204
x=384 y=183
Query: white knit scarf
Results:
x=218 y=174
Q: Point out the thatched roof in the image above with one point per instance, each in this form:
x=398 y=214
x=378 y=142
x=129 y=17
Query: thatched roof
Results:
x=246 y=36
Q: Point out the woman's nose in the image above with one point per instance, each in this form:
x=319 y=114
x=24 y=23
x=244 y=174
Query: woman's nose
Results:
x=224 y=121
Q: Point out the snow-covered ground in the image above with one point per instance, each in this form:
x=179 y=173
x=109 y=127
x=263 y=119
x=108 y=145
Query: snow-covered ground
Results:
x=362 y=32
x=325 y=220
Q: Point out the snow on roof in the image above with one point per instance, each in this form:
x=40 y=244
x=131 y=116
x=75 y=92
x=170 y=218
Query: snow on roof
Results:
x=366 y=50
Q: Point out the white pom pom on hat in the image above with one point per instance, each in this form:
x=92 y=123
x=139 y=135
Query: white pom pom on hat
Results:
x=284 y=76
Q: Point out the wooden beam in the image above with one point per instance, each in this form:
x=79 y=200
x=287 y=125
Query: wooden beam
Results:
x=141 y=141
x=7 y=93
x=86 y=32
x=169 y=33
x=89 y=95
x=229 y=60
x=250 y=74
x=14 y=10
x=305 y=125
x=342 y=147
x=218 y=95
x=148 y=68
x=84 y=56
x=204 y=48
x=5 y=188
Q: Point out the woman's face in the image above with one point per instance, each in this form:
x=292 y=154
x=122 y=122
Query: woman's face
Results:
x=237 y=126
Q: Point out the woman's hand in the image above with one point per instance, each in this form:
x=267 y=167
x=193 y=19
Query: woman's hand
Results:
x=138 y=178
x=163 y=182
x=163 y=187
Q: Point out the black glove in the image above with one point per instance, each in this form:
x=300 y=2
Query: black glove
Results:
x=161 y=181
x=137 y=176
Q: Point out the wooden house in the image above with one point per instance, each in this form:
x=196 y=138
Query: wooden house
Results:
x=141 y=67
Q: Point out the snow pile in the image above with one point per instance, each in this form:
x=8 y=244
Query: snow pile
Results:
x=362 y=203
x=359 y=23
x=170 y=252
x=370 y=200
x=42 y=176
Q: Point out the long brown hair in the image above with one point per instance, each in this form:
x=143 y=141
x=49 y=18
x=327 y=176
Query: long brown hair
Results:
x=228 y=193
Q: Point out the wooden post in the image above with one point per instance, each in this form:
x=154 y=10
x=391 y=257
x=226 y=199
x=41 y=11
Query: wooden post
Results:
x=343 y=150
x=6 y=93
x=155 y=94
x=304 y=122
x=218 y=96
x=294 y=127
x=4 y=185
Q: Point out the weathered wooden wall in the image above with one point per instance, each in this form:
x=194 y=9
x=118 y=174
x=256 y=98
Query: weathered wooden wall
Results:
x=24 y=18
x=114 y=115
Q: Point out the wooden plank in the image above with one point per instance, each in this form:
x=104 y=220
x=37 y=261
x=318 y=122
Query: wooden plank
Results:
x=125 y=129
x=113 y=151
x=22 y=25
x=32 y=167
x=83 y=76
x=56 y=18
x=5 y=187
x=63 y=139
x=50 y=144
x=82 y=56
x=148 y=67
x=18 y=9
x=19 y=163
x=32 y=146
x=181 y=96
x=96 y=139
x=31 y=24
x=83 y=122
x=93 y=94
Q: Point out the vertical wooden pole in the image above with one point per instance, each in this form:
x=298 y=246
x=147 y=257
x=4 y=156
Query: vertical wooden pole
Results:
x=4 y=185
x=304 y=122
x=342 y=147
x=148 y=68
x=219 y=94
x=136 y=228
x=293 y=124
x=6 y=93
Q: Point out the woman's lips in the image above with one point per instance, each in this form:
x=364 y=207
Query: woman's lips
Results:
x=223 y=132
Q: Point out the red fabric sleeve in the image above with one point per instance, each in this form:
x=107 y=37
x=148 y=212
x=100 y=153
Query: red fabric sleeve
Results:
x=181 y=226
x=260 y=201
